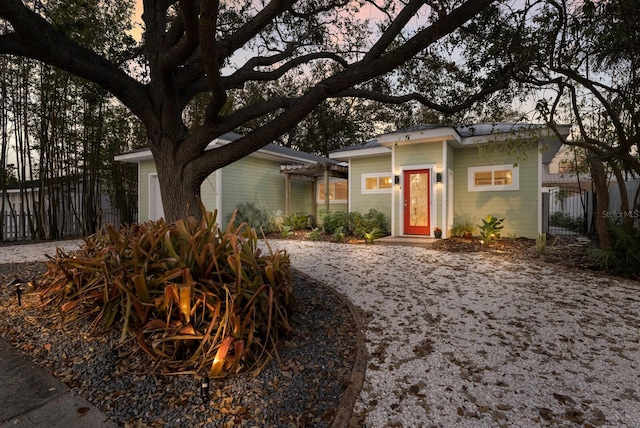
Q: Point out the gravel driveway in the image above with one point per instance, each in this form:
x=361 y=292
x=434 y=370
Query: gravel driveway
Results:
x=470 y=340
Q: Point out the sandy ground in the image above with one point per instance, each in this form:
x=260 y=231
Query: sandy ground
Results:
x=469 y=340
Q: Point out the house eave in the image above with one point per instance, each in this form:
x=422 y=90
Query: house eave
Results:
x=348 y=154
x=145 y=154
x=419 y=136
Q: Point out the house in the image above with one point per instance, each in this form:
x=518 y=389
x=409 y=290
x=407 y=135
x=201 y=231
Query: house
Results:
x=274 y=178
x=431 y=176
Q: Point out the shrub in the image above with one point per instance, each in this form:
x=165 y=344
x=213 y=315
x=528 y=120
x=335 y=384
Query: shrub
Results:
x=314 y=235
x=333 y=220
x=624 y=258
x=560 y=219
x=297 y=221
x=285 y=231
x=460 y=229
x=375 y=220
x=255 y=217
x=276 y=220
x=354 y=223
x=490 y=229
x=194 y=297
x=338 y=234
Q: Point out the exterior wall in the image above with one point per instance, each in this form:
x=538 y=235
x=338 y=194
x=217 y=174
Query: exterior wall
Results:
x=255 y=180
x=420 y=155
x=301 y=197
x=449 y=185
x=519 y=208
x=363 y=202
x=250 y=179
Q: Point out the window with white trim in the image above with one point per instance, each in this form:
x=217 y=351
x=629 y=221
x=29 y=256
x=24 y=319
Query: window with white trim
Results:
x=338 y=192
x=377 y=183
x=493 y=178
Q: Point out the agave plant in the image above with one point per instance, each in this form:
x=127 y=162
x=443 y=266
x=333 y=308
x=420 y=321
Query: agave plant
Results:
x=194 y=297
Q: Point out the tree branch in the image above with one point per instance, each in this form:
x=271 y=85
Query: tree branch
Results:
x=36 y=38
x=400 y=99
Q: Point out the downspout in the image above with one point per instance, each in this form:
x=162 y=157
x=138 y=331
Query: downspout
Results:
x=349 y=181
x=219 y=192
x=443 y=189
x=326 y=188
x=539 y=188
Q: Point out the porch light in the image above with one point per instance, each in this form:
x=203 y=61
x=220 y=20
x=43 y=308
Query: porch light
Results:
x=439 y=177
x=396 y=180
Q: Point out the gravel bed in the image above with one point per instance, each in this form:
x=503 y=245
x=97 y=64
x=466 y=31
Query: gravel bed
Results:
x=301 y=386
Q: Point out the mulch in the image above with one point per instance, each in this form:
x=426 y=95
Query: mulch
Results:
x=563 y=250
x=302 y=385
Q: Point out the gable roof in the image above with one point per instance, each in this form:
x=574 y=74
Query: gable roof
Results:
x=459 y=136
x=270 y=151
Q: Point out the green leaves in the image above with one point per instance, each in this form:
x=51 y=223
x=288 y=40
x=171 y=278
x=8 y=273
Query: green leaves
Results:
x=490 y=229
x=195 y=297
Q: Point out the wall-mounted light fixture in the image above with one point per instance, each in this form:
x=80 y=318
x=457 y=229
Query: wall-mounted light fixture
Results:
x=396 y=180
x=439 y=177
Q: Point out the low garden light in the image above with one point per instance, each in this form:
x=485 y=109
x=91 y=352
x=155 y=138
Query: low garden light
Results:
x=17 y=282
x=204 y=389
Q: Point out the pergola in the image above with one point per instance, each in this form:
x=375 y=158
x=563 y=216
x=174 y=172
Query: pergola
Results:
x=311 y=173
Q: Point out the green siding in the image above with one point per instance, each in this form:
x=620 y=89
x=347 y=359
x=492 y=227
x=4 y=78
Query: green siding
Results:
x=253 y=180
x=518 y=207
x=301 y=197
x=364 y=202
x=250 y=179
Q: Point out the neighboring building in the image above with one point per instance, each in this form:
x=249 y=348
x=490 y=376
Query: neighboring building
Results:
x=274 y=178
x=432 y=176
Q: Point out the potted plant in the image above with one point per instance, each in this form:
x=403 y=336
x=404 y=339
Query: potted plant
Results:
x=437 y=232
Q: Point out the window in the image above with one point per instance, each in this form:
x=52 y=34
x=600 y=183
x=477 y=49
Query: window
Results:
x=377 y=183
x=338 y=192
x=493 y=178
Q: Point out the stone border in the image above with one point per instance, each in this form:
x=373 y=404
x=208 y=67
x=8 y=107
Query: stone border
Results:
x=344 y=414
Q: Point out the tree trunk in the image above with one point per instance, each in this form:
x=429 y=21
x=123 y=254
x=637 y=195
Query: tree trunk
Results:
x=599 y=177
x=179 y=187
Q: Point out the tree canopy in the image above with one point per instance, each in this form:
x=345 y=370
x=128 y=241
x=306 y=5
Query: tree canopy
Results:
x=587 y=57
x=406 y=51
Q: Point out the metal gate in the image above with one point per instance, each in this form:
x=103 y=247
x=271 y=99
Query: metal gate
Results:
x=566 y=211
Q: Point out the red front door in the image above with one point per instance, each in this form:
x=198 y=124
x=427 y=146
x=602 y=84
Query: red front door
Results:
x=416 y=202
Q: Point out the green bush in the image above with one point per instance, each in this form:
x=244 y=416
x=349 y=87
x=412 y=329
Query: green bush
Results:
x=560 y=219
x=255 y=217
x=460 y=229
x=354 y=223
x=490 y=229
x=333 y=220
x=314 y=235
x=194 y=297
x=624 y=258
x=297 y=221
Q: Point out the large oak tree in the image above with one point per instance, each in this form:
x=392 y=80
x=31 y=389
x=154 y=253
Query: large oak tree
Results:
x=192 y=49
